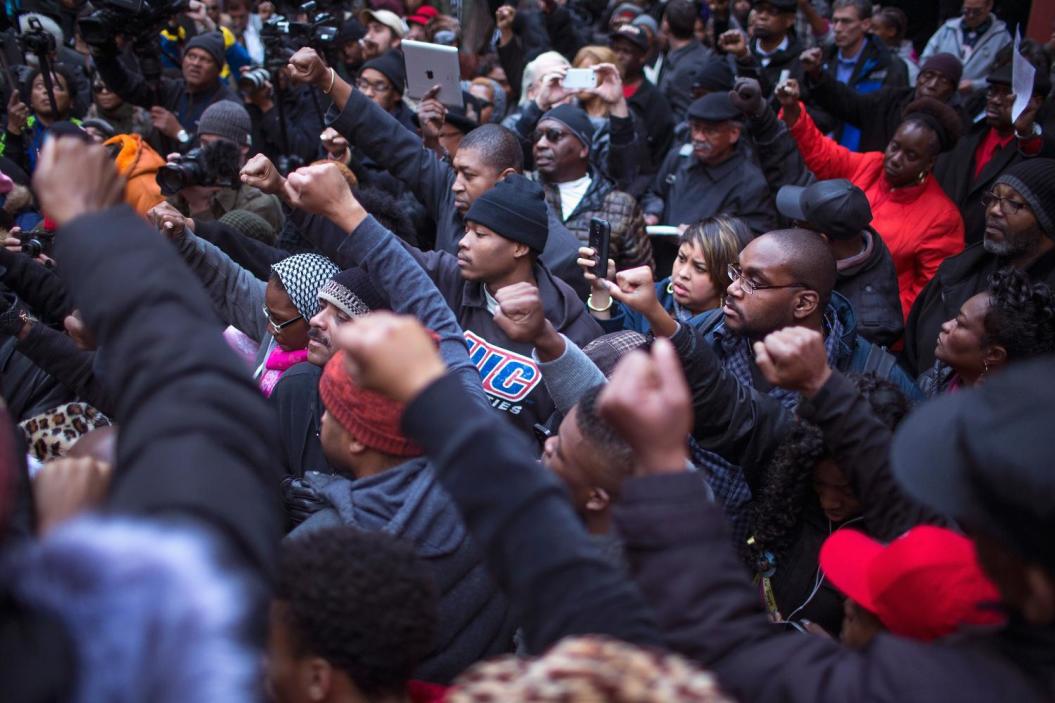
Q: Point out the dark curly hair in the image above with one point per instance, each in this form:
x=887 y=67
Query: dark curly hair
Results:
x=360 y=600
x=787 y=481
x=937 y=117
x=387 y=211
x=1021 y=315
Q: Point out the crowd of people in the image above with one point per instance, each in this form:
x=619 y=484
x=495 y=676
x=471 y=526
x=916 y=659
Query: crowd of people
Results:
x=725 y=378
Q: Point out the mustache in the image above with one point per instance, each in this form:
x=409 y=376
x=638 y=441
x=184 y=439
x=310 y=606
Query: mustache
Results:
x=315 y=335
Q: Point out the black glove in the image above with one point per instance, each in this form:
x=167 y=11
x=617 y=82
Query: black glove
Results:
x=301 y=500
x=11 y=309
x=746 y=97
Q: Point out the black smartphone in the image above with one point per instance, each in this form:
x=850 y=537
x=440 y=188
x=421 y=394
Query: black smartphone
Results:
x=600 y=238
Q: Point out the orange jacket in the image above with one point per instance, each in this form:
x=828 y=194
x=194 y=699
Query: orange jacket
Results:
x=919 y=224
x=139 y=164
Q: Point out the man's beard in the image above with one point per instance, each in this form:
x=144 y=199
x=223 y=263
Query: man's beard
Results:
x=1014 y=246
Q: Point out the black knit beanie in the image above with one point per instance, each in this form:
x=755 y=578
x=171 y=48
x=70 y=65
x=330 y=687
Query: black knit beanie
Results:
x=515 y=209
x=389 y=65
x=575 y=119
x=1034 y=180
x=211 y=43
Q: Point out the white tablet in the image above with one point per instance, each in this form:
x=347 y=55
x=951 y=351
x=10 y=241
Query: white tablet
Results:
x=432 y=64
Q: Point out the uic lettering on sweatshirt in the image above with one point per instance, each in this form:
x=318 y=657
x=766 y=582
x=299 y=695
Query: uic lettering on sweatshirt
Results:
x=504 y=374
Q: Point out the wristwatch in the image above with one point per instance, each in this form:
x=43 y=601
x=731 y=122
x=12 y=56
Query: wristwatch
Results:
x=1033 y=133
x=182 y=137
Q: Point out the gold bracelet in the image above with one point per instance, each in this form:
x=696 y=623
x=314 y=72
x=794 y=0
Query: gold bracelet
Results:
x=589 y=304
x=333 y=79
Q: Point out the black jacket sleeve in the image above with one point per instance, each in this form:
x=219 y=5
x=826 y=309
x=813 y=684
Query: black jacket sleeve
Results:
x=58 y=355
x=843 y=102
x=196 y=438
x=778 y=155
x=512 y=58
x=730 y=419
x=520 y=517
x=252 y=255
x=38 y=286
x=860 y=444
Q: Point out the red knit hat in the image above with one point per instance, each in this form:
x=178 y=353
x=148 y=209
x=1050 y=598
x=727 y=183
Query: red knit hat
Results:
x=373 y=419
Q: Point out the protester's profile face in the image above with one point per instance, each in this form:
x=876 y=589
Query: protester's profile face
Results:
x=571 y=457
x=1011 y=228
x=909 y=154
x=692 y=285
x=485 y=92
x=848 y=27
x=293 y=336
x=199 y=68
x=834 y=493
x=998 y=103
x=754 y=315
x=931 y=84
x=961 y=342
x=557 y=152
x=713 y=142
x=379 y=39
x=771 y=23
x=628 y=56
x=38 y=96
x=321 y=329
x=473 y=176
x=860 y=626
x=483 y=254
x=212 y=9
x=376 y=86
x=285 y=678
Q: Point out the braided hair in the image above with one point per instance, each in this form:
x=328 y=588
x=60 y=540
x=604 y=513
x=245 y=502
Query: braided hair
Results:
x=787 y=482
x=1021 y=315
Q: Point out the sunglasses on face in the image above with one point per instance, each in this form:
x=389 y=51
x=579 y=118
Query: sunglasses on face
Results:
x=552 y=135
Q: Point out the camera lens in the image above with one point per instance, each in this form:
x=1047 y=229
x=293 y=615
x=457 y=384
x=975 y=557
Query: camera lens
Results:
x=171 y=178
x=34 y=247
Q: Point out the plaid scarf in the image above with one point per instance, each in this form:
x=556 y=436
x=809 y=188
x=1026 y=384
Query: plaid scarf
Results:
x=739 y=359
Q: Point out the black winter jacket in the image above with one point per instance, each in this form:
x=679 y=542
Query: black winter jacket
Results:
x=957 y=279
x=955 y=172
x=519 y=515
x=871 y=287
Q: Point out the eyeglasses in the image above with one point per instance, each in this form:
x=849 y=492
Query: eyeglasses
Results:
x=100 y=88
x=552 y=135
x=279 y=326
x=1007 y=205
x=748 y=286
x=377 y=87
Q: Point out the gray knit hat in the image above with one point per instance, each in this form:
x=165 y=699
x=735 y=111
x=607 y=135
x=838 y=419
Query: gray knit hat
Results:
x=226 y=119
x=352 y=292
x=1034 y=180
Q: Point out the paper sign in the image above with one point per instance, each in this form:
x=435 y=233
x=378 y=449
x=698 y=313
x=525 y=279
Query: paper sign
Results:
x=1022 y=72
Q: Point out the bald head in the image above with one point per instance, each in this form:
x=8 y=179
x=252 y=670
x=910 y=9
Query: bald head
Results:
x=808 y=258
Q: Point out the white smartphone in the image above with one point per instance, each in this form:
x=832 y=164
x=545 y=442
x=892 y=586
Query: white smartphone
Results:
x=580 y=79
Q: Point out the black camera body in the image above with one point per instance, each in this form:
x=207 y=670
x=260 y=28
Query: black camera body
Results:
x=130 y=17
x=214 y=164
x=36 y=40
x=36 y=243
x=282 y=38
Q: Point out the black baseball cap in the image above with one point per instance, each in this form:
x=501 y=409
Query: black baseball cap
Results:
x=632 y=33
x=835 y=207
x=781 y=5
x=981 y=456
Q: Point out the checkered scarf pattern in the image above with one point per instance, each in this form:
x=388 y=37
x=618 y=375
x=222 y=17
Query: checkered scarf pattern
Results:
x=302 y=276
x=738 y=357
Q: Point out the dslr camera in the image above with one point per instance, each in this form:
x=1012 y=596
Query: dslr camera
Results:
x=35 y=243
x=130 y=17
x=213 y=164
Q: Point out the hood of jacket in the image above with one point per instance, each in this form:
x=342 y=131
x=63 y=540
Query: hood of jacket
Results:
x=405 y=501
x=135 y=157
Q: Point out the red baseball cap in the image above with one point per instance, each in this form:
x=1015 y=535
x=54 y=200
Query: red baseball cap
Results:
x=423 y=15
x=923 y=585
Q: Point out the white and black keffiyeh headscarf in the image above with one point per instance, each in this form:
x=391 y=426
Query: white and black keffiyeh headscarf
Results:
x=302 y=275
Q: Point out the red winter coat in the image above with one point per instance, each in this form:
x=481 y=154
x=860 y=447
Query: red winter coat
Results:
x=919 y=224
